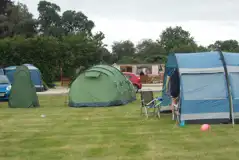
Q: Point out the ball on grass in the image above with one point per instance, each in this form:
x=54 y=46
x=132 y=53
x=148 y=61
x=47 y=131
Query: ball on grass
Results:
x=205 y=127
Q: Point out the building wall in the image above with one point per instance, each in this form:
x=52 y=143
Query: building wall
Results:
x=155 y=69
x=152 y=68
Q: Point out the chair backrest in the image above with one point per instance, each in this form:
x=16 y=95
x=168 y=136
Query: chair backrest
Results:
x=146 y=97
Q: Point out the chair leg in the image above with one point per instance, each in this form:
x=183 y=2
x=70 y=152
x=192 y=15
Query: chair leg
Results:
x=146 y=112
x=141 y=110
x=172 y=109
x=154 y=112
x=178 y=117
x=158 y=111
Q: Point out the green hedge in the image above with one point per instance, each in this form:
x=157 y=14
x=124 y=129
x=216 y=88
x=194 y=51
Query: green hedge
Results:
x=50 y=54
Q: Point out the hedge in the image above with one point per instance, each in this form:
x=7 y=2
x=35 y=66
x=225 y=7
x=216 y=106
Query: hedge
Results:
x=50 y=54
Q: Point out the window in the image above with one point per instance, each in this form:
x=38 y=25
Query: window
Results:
x=204 y=86
x=234 y=80
x=4 y=80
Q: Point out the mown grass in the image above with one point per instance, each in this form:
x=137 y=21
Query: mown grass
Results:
x=112 y=133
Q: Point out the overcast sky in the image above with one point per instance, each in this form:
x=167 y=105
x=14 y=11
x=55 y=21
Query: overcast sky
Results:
x=207 y=20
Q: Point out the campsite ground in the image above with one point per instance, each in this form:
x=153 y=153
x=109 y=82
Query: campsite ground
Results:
x=106 y=134
x=64 y=90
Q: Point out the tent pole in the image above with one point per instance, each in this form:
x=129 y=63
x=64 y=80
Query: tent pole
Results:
x=228 y=87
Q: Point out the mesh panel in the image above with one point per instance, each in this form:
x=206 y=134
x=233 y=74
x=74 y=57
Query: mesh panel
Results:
x=147 y=96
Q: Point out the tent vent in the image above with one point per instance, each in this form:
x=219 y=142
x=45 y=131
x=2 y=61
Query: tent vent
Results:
x=92 y=74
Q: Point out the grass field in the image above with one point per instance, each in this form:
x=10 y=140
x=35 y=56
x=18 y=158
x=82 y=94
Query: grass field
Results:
x=116 y=133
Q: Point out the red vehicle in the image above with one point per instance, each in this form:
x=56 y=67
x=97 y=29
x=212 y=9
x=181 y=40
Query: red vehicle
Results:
x=134 y=79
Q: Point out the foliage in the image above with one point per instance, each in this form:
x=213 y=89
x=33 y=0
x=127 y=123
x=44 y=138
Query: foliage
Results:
x=16 y=20
x=177 y=40
x=228 y=45
x=55 y=40
x=123 y=48
x=59 y=42
x=49 y=54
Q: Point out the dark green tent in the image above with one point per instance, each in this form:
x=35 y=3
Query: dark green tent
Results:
x=23 y=92
x=101 y=85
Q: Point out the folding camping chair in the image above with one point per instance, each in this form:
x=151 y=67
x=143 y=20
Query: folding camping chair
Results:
x=149 y=102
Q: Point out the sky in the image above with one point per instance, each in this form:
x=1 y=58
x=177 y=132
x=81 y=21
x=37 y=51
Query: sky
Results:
x=206 y=20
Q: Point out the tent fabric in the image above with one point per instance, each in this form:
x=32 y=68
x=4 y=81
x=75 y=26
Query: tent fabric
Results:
x=23 y=93
x=203 y=85
x=34 y=72
x=101 y=85
x=232 y=62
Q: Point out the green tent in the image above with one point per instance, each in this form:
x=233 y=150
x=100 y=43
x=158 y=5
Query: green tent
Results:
x=23 y=92
x=101 y=85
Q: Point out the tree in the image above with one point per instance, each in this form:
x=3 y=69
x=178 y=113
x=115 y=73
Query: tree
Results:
x=106 y=56
x=75 y=22
x=24 y=24
x=49 y=19
x=68 y=41
x=5 y=11
x=176 y=39
x=98 y=38
x=228 y=45
x=149 y=47
x=71 y=22
x=202 y=49
x=149 y=51
x=4 y=6
x=123 y=48
x=184 y=48
x=17 y=21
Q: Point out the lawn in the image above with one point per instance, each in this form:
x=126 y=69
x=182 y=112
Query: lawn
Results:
x=113 y=133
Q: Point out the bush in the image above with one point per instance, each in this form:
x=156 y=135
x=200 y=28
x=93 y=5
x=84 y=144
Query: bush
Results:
x=50 y=54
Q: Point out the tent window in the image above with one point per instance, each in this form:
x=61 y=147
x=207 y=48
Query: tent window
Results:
x=35 y=77
x=92 y=74
x=234 y=78
x=204 y=86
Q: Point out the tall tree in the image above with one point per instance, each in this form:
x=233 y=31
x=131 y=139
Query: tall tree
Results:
x=202 y=49
x=23 y=21
x=17 y=21
x=123 y=49
x=227 y=45
x=149 y=51
x=5 y=11
x=106 y=56
x=75 y=22
x=4 y=6
x=149 y=47
x=49 y=19
x=177 y=40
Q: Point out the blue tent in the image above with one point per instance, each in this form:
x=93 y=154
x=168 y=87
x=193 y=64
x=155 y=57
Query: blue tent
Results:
x=35 y=75
x=208 y=81
x=232 y=63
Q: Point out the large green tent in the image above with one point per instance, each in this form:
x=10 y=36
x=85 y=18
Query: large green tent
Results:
x=101 y=85
x=23 y=92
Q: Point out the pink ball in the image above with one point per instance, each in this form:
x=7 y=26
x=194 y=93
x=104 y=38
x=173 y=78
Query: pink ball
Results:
x=205 y=127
